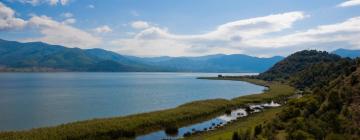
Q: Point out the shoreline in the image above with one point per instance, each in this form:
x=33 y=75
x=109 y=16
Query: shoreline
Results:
x=143 y=123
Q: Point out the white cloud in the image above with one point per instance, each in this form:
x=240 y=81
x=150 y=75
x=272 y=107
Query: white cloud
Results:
x=51 y=2
x=347 y=31
x=226 y=38
x=53 y=32
x=69 y=21
x=349 y=3
x=134 y=13
x=8 y=21
x=33 y=2
x=140 y=25
x=55 y=2
x=62 y=34
x=91 y=6
x=103 y=29
x=253 y=36
x=67 y=15
x=68 y=18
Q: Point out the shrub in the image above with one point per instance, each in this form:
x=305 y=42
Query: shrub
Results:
x=235 y=136
x=300 y=135
x=257 y=130
x=248 y=109
x=228 y=112
x=187 y=134
x=171 y=130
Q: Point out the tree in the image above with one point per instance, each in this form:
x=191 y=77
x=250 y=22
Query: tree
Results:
x=235 y=136
x=257 y=130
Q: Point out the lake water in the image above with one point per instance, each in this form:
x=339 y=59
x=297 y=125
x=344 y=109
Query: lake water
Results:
x=29 y=100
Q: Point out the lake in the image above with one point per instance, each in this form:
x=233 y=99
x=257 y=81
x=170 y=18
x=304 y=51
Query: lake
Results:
x=30 y=100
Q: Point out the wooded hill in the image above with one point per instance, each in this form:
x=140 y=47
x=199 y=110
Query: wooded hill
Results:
x=330 y=107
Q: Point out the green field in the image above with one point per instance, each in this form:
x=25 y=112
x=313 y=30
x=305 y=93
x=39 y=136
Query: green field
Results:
x=275 y=91
x=133 y=125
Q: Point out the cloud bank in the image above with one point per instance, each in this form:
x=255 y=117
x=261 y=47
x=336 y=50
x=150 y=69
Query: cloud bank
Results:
x=140 y=25
x=261 y=36
x=103 y=29
x=226 y=38
x=50 y=2
x=349 y=3
x=256 y=36
x=8 y=21
x=58 y=33
x=53 y=32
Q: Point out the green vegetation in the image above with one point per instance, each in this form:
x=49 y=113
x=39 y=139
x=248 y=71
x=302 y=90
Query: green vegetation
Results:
x=276 y=90
x=120 y=127
x=244 y=128
x=330 y=106
x=331 y=112
x=328 y=110
x=130 y=126
x=295 y=63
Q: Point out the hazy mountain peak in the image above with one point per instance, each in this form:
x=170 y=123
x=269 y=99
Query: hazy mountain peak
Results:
x=347 y=53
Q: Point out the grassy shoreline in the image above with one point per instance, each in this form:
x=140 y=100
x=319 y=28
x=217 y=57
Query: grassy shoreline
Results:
x=134 y=125
x=240 y=126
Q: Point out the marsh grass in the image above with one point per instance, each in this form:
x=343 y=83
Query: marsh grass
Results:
x=240 y=126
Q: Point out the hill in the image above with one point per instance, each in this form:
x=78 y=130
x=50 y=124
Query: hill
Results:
x=329 y=106
x=296 y=63
x=40 y=55
x=213 y=63
x=347 y=53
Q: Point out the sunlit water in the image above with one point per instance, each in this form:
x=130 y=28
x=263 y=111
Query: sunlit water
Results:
x=29 y=100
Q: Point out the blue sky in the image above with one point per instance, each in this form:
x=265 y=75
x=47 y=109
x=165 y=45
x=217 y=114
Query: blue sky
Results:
x=185 y=27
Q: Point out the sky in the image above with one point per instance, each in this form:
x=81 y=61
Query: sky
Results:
x=261 y=28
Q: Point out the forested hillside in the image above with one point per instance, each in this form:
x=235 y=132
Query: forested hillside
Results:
x=329 y=108
x=297 y=62
x=37 y=56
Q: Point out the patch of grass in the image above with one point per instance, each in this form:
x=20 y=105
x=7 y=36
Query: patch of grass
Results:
x=133 y=125
x=275 y=90
x=240 y=126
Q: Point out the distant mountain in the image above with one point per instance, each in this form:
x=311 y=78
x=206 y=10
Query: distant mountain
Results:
x=212 y=63
x=38 y=56
x=347 y=53
x=125 y=60
x=41 y=55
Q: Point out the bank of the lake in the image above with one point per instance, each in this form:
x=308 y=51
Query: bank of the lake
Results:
x=134 y=125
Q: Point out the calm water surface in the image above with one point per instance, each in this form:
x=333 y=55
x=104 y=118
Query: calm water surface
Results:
x=29 y=100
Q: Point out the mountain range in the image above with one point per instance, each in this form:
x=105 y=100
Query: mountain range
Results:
x=38 y=56
x=347 y=53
